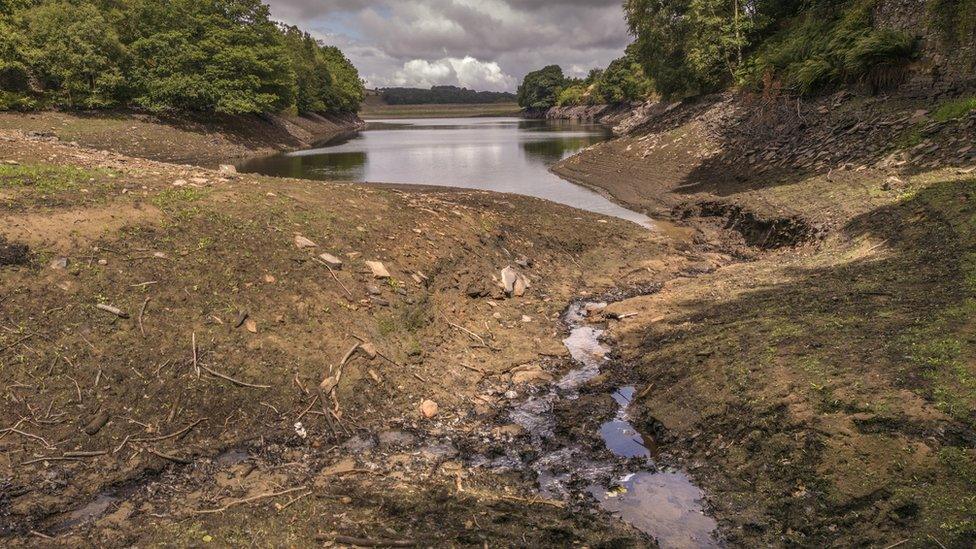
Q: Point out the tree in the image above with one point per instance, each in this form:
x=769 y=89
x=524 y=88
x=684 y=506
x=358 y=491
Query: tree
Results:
x=540 y=89
x=347 y=91
x=75 y=54
x=624 y=81
x=210 y=55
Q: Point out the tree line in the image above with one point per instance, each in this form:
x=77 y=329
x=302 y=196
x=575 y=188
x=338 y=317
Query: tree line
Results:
x=442 y=95
x=684 y=48
x=216 y=56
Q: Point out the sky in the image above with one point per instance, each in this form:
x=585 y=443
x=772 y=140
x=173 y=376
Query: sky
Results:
x=477 y=44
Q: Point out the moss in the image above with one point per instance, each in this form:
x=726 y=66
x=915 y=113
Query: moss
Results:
x=951 y=110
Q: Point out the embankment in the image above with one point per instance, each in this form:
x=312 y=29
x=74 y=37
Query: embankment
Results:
x=186 y=139
x=822 y=393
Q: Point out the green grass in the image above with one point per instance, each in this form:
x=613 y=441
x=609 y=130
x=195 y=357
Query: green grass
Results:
x=951 y=110
x=48 y=179
x=172 y=200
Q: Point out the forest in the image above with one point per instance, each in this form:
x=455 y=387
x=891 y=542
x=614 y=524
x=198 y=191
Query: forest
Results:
x=209 y=56
x=684 y=48
x=442 y=95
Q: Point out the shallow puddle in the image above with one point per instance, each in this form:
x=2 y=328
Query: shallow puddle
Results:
x=666 y=505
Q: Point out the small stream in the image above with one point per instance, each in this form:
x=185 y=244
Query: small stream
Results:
x=663 y=503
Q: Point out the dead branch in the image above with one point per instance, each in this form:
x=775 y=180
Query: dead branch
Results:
x=245 y=501
x=181 y=432
x=232 y=380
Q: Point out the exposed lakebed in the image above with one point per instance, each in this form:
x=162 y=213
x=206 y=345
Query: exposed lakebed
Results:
x=508 y=155
x=659 y=501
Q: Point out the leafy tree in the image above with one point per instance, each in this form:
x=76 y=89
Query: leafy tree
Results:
x=75 y=54
x=224 y=56
x=347 y=91
x=540 y=89
x=623 y=82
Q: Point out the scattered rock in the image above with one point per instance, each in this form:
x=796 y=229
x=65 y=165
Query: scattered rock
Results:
x=514 y=282
x=531 y=374
x=388 y=439
x=59 y=263
x=369 y=349
x=251 y=326
x=301 y=242
x=227 y=169
x=429 y=408
x=379 y=270
x=97 y=422
x=372 y=289
x=269 y=279
x=331 y=260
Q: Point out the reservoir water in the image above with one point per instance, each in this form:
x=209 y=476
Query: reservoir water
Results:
x=510 y=155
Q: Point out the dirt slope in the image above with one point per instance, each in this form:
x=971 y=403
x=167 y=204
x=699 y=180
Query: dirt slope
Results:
x=823 y=395
x=163 y=340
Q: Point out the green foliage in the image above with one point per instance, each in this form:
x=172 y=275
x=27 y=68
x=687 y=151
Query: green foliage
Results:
x=690 y=47
x=955 y=19
x=540 y=89
x=223 y=56
x=46 y=178
x=826 y=46
x=75 y=54
x=954 y=109
x=624 y=81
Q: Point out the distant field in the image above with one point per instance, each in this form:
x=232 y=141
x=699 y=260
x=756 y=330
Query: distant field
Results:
x=438 y=111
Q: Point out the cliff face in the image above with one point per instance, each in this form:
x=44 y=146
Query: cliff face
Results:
x=947 y=44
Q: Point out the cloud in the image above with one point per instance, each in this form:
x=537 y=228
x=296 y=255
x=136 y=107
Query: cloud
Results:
x=466 y=72
x=486 y=44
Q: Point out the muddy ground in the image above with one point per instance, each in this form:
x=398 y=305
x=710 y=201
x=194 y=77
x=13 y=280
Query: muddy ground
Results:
x=800 y=345
x=823 y=392
x=165 y=331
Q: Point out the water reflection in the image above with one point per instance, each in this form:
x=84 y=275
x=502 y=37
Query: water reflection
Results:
x=499 y=154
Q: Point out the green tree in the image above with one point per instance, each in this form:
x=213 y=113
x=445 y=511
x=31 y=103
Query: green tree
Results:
x=75 y=54
x=347 y=91
x=540 y=89
x=624 y=81
x=209 y=55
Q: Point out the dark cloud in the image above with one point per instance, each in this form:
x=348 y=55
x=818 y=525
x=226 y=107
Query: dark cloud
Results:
x=479 y=43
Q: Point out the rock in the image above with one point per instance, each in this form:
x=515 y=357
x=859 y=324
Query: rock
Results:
x=301 y=242
x=512 y=430
x=269 y=279
x=227 y=169
x=531 y=374
x=374 y=290
x=514 y=282
x=429 y=409
x=59 y=263
x=251 y=326
x=369 y=349
x=379 y=270
x=331 y=260
x=13 y=253
x=103 y=262
x=388 y=439
x=179 y=183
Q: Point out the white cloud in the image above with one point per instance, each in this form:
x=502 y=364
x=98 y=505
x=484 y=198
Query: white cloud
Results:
x=466 y=72
x=482 y=44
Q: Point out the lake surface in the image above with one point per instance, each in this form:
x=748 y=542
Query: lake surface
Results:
x=509 y=155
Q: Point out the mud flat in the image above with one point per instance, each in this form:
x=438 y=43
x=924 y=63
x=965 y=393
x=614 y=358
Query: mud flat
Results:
x=193 y=356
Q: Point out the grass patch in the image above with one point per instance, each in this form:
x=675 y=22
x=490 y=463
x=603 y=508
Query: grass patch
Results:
x=176 y=200
x=952 y=110
x=48 y=179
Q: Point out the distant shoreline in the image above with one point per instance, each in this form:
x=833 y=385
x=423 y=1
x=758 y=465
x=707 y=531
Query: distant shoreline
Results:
x=373 y=112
